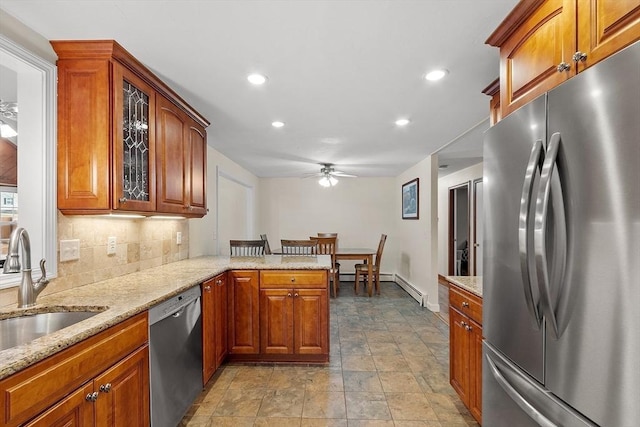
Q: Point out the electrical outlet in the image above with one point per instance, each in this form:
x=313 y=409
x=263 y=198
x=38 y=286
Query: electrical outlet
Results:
x=179 y=238
x=69 y=250
x=111 y=245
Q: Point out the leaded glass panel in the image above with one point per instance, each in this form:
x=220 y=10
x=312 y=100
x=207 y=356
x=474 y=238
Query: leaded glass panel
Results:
x=135 y=143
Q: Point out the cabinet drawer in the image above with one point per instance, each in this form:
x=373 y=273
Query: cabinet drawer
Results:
x=30 y=391
x=293 y=279
x=466 y=303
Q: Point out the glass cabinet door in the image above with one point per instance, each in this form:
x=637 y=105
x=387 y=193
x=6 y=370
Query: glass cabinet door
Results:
x=134 y=136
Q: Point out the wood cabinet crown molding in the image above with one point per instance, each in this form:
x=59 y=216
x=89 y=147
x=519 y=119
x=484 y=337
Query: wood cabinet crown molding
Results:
x=493 y=87
x=110 y=49
x=513 y=21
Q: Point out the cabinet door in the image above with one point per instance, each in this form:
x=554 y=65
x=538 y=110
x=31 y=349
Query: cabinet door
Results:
x=459 y=354
x=475 y=370
x=311 y=321
x=134 y=172
x=197 y=188
x=123 y=398
x=220 y=318
x=208 y=330
x=83 y=116
x=529 y=58
x=244 y=330
x=72 y=411
x=172 y=154
x=276 y=321
x=606 y=26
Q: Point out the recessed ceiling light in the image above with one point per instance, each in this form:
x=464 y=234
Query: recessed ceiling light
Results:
x=434 y=75
x=402 y=122
x=277 y=124
x=256 y=79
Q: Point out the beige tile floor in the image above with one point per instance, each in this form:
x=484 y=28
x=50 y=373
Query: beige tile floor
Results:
x=389 y=367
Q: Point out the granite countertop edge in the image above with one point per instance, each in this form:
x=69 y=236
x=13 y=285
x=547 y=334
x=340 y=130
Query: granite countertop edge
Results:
x=122 y=297
x=472 y=284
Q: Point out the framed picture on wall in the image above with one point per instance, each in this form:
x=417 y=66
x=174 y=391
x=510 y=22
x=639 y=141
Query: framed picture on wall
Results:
x=410 y=202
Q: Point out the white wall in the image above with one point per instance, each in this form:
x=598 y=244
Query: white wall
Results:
x=456 y=178
x=359 y=210
x=203 y=232
x=416 y=257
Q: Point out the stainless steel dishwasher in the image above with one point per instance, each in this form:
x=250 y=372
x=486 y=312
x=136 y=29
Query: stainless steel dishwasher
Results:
x=175 y=341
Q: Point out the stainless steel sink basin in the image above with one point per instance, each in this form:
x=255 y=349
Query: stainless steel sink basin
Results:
x=15 y=331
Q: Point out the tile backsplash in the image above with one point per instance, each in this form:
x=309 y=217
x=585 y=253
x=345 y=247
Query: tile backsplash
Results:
x=140 y=244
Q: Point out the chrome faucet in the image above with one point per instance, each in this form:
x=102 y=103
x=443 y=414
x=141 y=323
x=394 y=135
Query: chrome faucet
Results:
x=28 y=291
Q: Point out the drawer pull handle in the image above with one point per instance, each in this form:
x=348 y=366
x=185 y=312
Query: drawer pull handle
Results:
x=91 y=397
x=563 y=66
x=218 y=282
x=207 y=288
x=465 y=304
x=293 y=279
x=105 y=388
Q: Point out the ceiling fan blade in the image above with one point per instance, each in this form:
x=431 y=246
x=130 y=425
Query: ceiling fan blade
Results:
x=343 y=175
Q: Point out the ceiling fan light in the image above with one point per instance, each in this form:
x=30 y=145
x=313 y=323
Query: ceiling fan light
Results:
x=324 y=181
x=333 y=180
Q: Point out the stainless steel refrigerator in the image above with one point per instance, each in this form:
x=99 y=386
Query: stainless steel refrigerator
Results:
x=561 y=298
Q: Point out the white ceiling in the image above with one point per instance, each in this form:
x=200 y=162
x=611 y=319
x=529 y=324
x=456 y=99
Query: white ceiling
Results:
x=339 y=73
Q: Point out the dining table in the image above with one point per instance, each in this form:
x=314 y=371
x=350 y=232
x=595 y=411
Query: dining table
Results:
x=363 y=254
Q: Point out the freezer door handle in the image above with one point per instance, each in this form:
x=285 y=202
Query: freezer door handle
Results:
x=550 y=190
x=532 y=412
x=524 y=232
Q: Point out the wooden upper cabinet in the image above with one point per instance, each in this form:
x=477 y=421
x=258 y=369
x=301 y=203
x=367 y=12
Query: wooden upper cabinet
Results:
x=605 y=27
x=181 y=158
x=545 y=42
x=124 y=138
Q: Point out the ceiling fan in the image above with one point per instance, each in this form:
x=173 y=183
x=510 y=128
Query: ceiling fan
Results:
x=328 y=175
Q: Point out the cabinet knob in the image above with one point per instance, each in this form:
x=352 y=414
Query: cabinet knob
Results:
x=468 y=327
x=579 y=57
x=218 y=282
x=463 y=324
x=293 y=279
x=295 y=295
x=105 y=388
x=123 y=200
x=91 y=397
x=563 y=66
x=465 y=304
x=207 y=288
x=289 y=294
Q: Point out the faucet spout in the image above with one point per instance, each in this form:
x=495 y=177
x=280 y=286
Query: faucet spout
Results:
x=28 y=291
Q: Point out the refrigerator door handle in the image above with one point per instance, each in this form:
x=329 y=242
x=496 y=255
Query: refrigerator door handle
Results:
x=550 y=189
x=524 y=227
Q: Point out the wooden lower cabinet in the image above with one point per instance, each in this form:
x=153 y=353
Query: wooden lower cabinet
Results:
x=101 y=381
x=292 y=321
x=278 y=316
x=465 y=352
x=214 y=325
x=244 y=305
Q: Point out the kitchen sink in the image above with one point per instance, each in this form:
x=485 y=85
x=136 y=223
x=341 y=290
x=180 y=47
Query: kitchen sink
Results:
x=15 y=331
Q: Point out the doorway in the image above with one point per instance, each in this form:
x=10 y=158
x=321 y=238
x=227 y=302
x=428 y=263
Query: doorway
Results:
x=459 y=229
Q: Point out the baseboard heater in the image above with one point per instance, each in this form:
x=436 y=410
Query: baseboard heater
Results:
x=415 y=293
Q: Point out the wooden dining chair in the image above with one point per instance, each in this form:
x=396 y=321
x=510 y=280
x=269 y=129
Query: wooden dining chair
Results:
x=327 y=246
x=249 y=248
x=337 y=263
x=363 y=269
x=299 y=247
x=267 y=248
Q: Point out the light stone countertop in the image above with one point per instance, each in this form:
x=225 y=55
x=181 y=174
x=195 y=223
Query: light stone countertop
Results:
x=472 y=284
x=128 y=295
